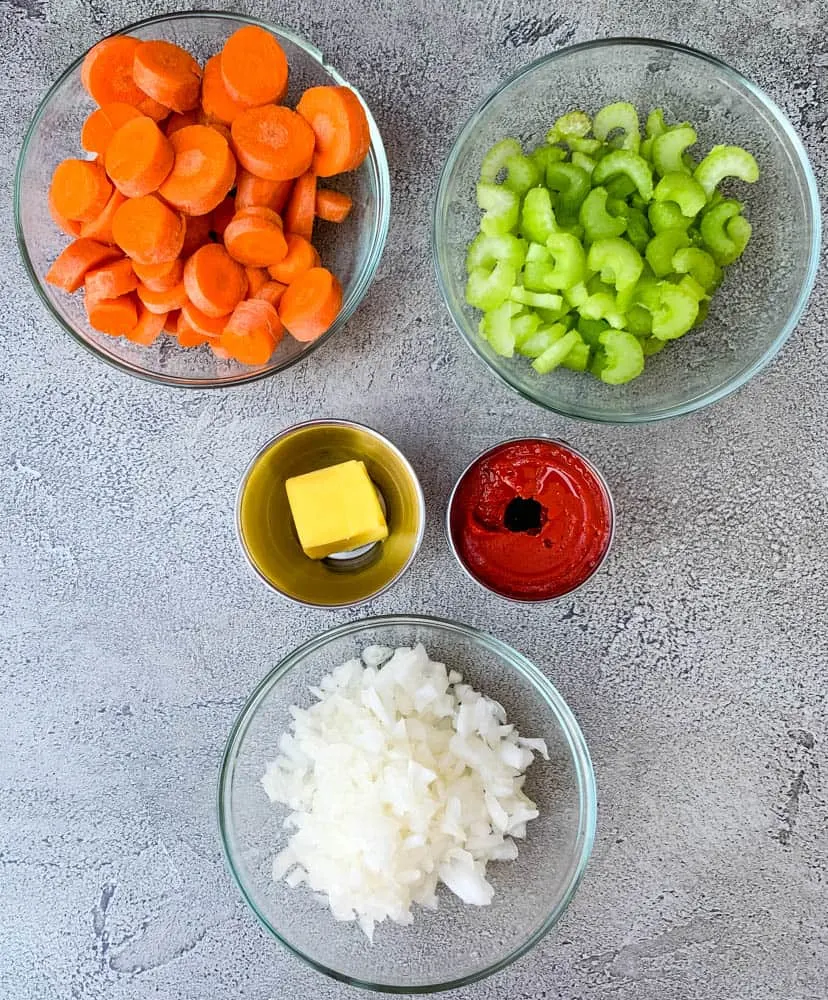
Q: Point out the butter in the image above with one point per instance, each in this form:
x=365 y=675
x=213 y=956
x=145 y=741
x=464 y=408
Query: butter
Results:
x=335 y=509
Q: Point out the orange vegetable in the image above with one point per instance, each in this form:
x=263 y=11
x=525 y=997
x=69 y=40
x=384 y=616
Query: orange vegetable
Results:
x=301 y=208
x=179 y=120
x=168 y=74
x=219 y=351
x=163 y=302
x=197 y=233
x=111 y=281
x=340 y=125
x=187 y=336
x=253 y=332
x=100 y=228
x=117 y=317
x=160 y=277
x=254 y=239
x=272 y=292
x=254 y=67
x=332 y=206
x=203 y=171
x=148 y=328
x=311 y=304
x=207 y=326
x=253 y=191
x=301 y=256
x=148 y=230
x=273 y=142
x=171 y=322
x=218 y=105
x=69 y=226
x=139 y=158
x=74 y=263
x=79 y=190
x=106 y=73
x=256 y=277
x=221 y=218
x=215 y=283
x=103 y=123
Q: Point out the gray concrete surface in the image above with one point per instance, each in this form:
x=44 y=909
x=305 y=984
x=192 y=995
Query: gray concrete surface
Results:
x=131 y=630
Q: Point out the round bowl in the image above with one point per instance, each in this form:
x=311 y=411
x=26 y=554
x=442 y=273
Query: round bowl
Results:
x=351 y=250
x=265 y=525
x=764 y=293
x=455 y=944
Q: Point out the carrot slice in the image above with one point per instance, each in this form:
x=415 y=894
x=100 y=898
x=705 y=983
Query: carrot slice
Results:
x=171 y=322
x=168 y=74
x=207 y=326
x=340 y=124
x=100 y=228
x=148 y=230
x=311 y=304
x=74 y=263
x=272 y=292
x=256 y=277
x=273 y=142
x=139 y=158
x=79 y=190
x=197 y=233
x=219 y=351
x=301 y=256
x=148 y=328
x=187 y=336
x=254 y=67
x=106 y=73
x=160 y=277
x=252 y=191
x=333 y=206
x=203 y=171
x=69 y=226
x=111 y=281
x=179 y=120
x=215 y=283
x=301 y=208
x=103 y=123
x=254 y=240
x=163 y=302
x=221 y=218
x=253 y=332
x=117 y=317
x=218 y=105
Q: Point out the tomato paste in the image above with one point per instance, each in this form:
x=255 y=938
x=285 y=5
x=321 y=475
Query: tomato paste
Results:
x=531 y=519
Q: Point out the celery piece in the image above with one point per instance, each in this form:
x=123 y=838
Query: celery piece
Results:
x=667 y=215
x=495 y=160
x=578 y=358
x=488 y=249
x=569 y=260
x=699 y=264
x=503 y=325
x=537 y=300
x=574 y=229
x=487 y=289
x=660 y=250
x=602 y=305
x=586 y=163
x=638 y=232
x=620 y=359
x=619 y=264
x=638 y=321
x=646 y=149
x=596 y=220
x=669 y=147
x=652 y=345
x=576 y=295
x=623 y=161
x=537 y=217
x=724 y=231
x=553 y=356
x=576 y=124
x=726 y=161
x=501 y=207
x=522 y=173
x=689 y=284
x=704 y=308
x=621 y=187
x=544 y=155
x=591 y=330
x=540 y=340
x=655 y=124
x=673 y=309
x=572 y=184
x=620 y=115
x=589 y=147
x=684 y=190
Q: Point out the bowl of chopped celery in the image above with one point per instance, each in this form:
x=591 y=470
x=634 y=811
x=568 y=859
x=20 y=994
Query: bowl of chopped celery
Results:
x=626 y=230
x=407 y=804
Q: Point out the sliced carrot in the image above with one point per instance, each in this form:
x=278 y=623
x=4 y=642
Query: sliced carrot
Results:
x=197 y=233
x=154 y=109
x=139 y=158
x=301 y=207
x=74 y=263
x=223 y=130
x=254 y=240
x=148 y=328
x=253 y=332
x=221 y=218
x=301 y=256
x=207 y=326
x=179 y=120
x=273 y=142
x=111 y=281
x=253 y=191
x=254 y=67
x=187 y=336
x=272 y=292
x=340 y=124
x=69 y=226
x=160 y=277
x=333 y=206
x=260 y=212
x=100 y=228
x=311 y=304
x=219 y=351
x=203 y=171
x=168 y=74
x=171 y=322
x=163 y=302
x=218 y=105
x=117 y=317
x=79 y=190
x=103 y=123
x=106 y=73
x=215 y=283
x=148 y=230
x=256 y=277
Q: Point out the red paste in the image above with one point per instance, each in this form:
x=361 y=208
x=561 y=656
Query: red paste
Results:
x=531 y=520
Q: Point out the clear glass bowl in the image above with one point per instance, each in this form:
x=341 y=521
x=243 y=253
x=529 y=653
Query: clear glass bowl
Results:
x=457 y=944
x=764 y=293
x=351 y=250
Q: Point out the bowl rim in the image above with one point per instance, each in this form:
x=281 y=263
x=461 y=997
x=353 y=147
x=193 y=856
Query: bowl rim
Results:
x=587 y=792
x=811 y=197
x=383 y=440
x=378 y=164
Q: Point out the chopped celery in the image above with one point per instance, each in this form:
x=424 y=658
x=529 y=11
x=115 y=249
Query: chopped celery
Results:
x=602 y=305
x=652 y=345
x=537 y=217
x=673 y=309
x=537 y=300
x=619 y=263
x=591 y=330
x=620 y=359
x=501 y=207
x=699 y=264
x=660 y=250
x=522 y=173
x=486 y=250
x=572 y=184
x=544 y=155
x=590 y=147
x=621 y=187
x=684 y=190
x=725 y=231
x=534 y=344
x=620 y=115
x=655 y=124
x=576 y=295
x=578 y=358
x=569 y=260
x=726 y=161
x=638 y=232
x=573 y=123
x=554 y=355
x=689 y=284
x=669 y=147
x=667 y=215
x=638 y=321
x=596 y=220
x=623 y=161
x=583 y=161
x=487 y=289
x=495 y=160
x=646 y=149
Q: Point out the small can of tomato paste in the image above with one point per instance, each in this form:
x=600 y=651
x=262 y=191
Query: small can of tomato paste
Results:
x=531 y=520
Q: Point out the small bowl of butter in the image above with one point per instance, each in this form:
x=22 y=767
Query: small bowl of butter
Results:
x=330 y=513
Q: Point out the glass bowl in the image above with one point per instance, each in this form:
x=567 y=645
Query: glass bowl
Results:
x=763 y=294
x=351 y=250
x=456 y=944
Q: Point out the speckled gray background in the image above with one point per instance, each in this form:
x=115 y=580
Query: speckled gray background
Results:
x=131 y=630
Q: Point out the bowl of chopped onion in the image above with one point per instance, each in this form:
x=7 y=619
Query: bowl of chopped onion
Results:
x=407 y=804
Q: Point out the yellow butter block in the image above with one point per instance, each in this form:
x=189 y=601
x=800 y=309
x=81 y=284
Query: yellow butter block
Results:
x=335 y=509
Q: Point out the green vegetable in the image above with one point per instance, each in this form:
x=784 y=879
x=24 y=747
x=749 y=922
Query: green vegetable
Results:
x=578 y=358
x=534 y=344
x=537 y=217
x=699 y=264
x=669 y=147
x=685 y=191
x=572 y=184
x=622 y=161
x=596 y=220
x=538 y=300
x=620 y=115
x=639 y=321
x=556 y=353
x=660 y=250
x=486 y=250
x=487 y=289
x=495 y=160
x=655 y=124
x=602 y=305
x=591 y=330
x=725 y=231
x=574 y=123
x=590 y=147
x=522 y=173
x=667 y=215
x=620 y=359
x=569 y=260
x=501 y=207
x=583 y=161
x=544 y=155
x=673 y=309
x=726 y=161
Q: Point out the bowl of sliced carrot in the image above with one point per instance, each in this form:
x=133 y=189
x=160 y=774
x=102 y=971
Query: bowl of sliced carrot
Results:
x=201 y=200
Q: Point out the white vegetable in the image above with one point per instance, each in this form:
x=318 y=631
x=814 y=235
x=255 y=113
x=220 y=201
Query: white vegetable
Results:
x=398 y=777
